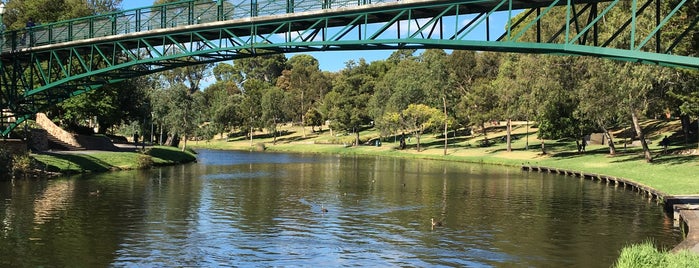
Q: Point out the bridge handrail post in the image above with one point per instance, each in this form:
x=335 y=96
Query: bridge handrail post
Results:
x=163 y=18
x=91 y=28
x=253 y=8
x=115 y=25
x=219 y=10
x=138 y=21
x=70 y=33
x=14 y=40
x=190 y=13
x=289 y=6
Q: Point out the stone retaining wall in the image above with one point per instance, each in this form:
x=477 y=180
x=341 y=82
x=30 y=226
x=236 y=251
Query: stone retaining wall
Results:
x=53 y=130
x=39 y=140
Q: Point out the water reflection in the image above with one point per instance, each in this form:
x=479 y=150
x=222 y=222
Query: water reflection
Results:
x=251 y=209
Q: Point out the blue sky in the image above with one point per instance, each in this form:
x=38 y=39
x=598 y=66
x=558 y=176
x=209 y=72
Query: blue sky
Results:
x=335 y=61
x=329 y=61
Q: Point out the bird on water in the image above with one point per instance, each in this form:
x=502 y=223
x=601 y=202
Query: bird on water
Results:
x=435 y=223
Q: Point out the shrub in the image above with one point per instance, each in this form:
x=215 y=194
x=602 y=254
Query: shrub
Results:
x=22 y=164
x=144 y=158
x=5 y=161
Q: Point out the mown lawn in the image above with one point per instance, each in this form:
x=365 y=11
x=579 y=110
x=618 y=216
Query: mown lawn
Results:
x=80 y=162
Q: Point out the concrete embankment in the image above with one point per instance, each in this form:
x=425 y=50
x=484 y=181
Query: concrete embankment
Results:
x=685 y=209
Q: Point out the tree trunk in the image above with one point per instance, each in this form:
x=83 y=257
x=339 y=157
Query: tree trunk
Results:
x=543 y=145
x=184 y=138
x=274 y=140
x=639 y=132
x=685 y=127
x=303 y=114
x=184 y=135
x=485 y=134
x=417 y=136
x=446 y=136
x=303 y=127
x=610 y=142
x=526 y=145
x=509 y=133
x=170 y=140
x=356 y=140
x=251 y=134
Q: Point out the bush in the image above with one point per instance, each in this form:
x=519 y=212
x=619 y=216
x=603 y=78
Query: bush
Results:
x=5 y=162
x=22 y=164
x=145 y=160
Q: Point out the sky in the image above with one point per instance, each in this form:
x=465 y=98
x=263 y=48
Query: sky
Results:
x=329 y=61
x=335 y=60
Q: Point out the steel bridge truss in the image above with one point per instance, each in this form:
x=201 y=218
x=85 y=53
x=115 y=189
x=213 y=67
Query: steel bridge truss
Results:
x=48 y=64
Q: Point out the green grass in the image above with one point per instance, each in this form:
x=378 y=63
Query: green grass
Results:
x=646 y=255
x=104 y=161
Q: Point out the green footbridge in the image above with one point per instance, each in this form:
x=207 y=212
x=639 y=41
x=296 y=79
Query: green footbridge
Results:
x=49 y=63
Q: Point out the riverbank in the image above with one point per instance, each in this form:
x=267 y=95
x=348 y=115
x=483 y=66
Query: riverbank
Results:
x=74 y=162
x=673 y=173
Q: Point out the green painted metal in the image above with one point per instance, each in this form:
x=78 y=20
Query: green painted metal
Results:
x=660 y=25
x=68 y=58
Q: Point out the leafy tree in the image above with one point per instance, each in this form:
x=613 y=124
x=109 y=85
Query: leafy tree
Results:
x=598 y=97
x=111 y=105
x=639 y=84
x=345 y=106
x=272 y=109
x=179 y=116
x=305 y=85
x=314 y=119
x=686 y=98
x=264 y=67
x=508 y=90
x=480 y=105
x=417 y=118
x=461 y=65
x=405 y=84
x=250 y=110
x=439 y=94
x=222 y=99
x=46 y=11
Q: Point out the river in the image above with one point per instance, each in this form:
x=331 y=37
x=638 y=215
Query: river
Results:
x=265 y=209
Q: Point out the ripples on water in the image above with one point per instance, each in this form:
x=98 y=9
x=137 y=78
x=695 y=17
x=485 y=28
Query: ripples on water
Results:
x=251 y=209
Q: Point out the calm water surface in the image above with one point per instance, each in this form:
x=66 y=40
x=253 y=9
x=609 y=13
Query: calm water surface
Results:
x=256 y=209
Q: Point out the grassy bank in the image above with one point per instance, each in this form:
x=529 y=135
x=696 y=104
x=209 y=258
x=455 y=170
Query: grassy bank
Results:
x=93 y=161
x=673 y=173
x=646 y=255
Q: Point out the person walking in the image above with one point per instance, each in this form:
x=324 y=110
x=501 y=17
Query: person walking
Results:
x=664 y=142
x=135 y=140
x=28 y=32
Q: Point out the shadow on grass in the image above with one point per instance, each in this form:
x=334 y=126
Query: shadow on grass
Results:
x=81 y=162
x=171 y=155
x=674 y=159
x=282 y=136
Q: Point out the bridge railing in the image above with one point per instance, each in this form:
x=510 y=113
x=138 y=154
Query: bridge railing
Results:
x=170 y=15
